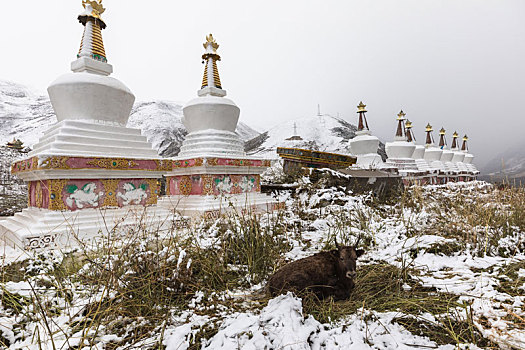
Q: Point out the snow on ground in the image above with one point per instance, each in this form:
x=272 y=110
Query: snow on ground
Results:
x=401 y=237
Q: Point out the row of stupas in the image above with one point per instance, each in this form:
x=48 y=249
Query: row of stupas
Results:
x=423 y=164
x=90 y=174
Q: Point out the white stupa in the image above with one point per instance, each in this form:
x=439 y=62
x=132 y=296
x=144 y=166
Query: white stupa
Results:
x=447 y=155
x=88 y=172
x=212 y=173
x=471 y=168
x=364 y=145
x=419 y=152
x=400 y=151
x=458 y=157
x=433 y=157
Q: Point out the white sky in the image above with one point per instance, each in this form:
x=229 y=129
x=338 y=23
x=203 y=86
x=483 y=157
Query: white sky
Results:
x=454 y=63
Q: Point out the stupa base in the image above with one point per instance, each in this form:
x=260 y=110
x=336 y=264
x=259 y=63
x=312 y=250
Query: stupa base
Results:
x=35 y=228
x=197 y=206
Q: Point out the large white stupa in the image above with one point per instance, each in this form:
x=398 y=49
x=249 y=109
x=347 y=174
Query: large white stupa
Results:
x=399 y=152
x=212 y=173
x=88 y=173
x=364 y=145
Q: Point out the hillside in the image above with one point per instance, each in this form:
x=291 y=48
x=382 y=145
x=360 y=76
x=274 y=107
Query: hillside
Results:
x=508 y=165
x=25 y=114
x=320 y=132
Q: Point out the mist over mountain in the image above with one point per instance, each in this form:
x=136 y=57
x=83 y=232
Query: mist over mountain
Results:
x=508 y=165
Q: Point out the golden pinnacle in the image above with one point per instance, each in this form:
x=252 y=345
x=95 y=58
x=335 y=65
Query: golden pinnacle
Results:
x=211 y=40
x=442 y=131
x=428 y=128
x=401 y=115
x=361 y=107
x=408 y=124
x=97 y=7
x=465 y=138
x=455 y=135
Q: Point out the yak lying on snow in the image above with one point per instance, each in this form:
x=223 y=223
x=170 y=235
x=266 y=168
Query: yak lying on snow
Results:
x=325 y=274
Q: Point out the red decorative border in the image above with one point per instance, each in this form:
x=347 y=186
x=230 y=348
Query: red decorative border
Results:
x=76 y=163
x=195 y=162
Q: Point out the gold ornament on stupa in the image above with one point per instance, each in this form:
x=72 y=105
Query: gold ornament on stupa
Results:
x=401 y=115
x=428 y=128
x=96 y=6
x=465 y=138
x=210 y=58
x=442 y=131
x=92 y=45
x=211 y=40
x=361 y=107
x=455 y=135
x=408 y=124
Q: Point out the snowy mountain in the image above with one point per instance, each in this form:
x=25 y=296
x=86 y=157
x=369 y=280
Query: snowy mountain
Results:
x=320 y=132
x=509 y=165
x=25 y=114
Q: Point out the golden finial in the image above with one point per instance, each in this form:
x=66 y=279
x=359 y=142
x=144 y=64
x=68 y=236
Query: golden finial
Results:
x=455 y=135
x=465 y=138
x=442 y=131
x=361 y=107
x=428 y=128
x=401 y=115
x=408 y=124
x=96 y=6
x=211 y=40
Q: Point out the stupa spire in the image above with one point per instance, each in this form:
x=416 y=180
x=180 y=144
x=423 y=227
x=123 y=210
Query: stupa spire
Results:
x=92 y=45
x=210 y=57
x=430 y=138
x=455 y=143
x=361 y=110
x=442 y=140
x=464 y=146
x=409 y=132
x=400 y=133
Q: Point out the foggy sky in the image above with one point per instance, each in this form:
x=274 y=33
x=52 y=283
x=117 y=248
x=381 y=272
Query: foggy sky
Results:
x=454 y=63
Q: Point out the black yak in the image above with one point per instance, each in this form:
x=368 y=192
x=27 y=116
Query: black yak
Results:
x=325 y=274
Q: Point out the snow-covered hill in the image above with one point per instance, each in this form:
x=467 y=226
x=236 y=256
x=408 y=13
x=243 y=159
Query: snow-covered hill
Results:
x=509 y=165
x=319 y=132
x=25 y=114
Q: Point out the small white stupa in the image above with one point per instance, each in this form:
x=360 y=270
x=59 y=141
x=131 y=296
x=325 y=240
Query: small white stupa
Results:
x=400 y=151
x=458 y=157
x=364 y=145
x=433 y=156
x=212 y=172
x=419 y=153
x=446 y=157
x=471 y=168
x=89 y=172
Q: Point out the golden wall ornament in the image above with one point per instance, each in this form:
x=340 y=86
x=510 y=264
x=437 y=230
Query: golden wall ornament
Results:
x=107 y=163
x=110 y=192
x=55 y=162
x=185 y=185
x=207 y=184
x=153 y=191
x=55 y=194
